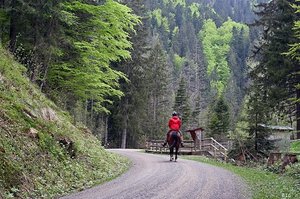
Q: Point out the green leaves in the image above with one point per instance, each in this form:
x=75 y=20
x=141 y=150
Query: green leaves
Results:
x=178 y=62
x=294 y=51
x=97 y=35
x=216 y=46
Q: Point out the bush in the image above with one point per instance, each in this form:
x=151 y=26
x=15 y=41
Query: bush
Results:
x=294 y=172
x=274 y=168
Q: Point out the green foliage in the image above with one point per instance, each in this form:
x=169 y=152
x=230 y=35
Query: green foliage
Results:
x=216 y=47
x=166 y=2
x=178 y=2
x=182 y=104
x=219 y=120
x=68 y=46
x=179 y=62
x=276 y=76
x=165 y=24
x=142 y=112
x=241 y=133
x=294 y=50
x=10 y=171
x=50 y=145
x=157 y=15
x=194 y=7
x=295 y=146
x=98 y=36
x=175 y=31
x=161 y=21
x=293 y=171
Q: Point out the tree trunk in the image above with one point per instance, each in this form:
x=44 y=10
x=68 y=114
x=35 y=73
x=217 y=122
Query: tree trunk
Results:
x=255 y=139
x=92 y=114
x=13 y=25
x=124 y=133
x=298 y=114
x=2 y=6
x=86 y=113
x=106 y=131
x=35 y=67
x=154 y=111
x=51 y=29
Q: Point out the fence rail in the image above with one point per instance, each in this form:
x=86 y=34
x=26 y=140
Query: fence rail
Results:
x=208 y=145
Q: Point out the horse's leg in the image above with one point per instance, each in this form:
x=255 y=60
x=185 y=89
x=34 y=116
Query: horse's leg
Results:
x=176 y=153
x=171 y=153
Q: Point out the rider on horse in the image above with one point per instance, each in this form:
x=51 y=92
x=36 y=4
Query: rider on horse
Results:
x=174 y=125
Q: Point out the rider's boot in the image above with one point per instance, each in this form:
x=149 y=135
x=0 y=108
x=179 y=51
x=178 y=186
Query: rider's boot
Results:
x=181 y=142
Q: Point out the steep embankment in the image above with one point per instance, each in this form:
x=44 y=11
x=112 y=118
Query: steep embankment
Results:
x=42 y=154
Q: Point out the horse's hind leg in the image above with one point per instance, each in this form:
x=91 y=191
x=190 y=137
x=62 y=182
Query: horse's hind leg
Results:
x=171 y=154
x=176 y=153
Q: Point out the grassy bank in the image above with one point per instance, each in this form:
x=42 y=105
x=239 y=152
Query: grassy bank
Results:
x=295 y=147
x=263 y=184
x=42 y=154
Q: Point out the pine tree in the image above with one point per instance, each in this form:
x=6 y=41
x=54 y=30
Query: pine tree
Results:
x=294 y=53
x=276 y=73
x=219 y=120
x=258 y=112
x=159 y=94
x=128 y=113
x=182 y=104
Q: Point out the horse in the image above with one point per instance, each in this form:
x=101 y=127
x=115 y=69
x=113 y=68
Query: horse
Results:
x=174 y=141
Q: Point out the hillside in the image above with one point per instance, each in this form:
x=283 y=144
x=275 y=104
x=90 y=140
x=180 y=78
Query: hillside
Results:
x=42 y=154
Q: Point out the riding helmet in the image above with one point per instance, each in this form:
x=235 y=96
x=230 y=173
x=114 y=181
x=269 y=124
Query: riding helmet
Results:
x=174 y=113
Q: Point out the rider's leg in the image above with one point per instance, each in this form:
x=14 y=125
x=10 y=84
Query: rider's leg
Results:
x=181 y=138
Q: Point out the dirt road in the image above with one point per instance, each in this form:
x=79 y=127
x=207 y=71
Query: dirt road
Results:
x=154 y=176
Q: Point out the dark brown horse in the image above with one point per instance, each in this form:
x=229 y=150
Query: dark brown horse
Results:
x=174 y=141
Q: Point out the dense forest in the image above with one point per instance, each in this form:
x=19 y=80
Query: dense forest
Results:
x=121 y=67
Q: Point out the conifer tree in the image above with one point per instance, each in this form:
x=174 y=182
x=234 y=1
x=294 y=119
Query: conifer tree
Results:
x=294 y=53
x=182 y=103
x=159 y=94
x=128 y=113
x=219 y=120
x=276 y=74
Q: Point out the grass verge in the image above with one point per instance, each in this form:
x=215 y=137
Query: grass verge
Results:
x=295 y=147
x=263 y=184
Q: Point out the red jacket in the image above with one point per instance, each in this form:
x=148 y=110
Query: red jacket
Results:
x=175 y=123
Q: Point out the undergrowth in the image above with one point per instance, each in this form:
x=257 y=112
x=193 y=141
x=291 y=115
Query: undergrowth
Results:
x=295 y=147
x=263 y=184
x=37 y=166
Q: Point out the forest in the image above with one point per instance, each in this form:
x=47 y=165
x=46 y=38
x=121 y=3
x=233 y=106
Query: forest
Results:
x=80 y=78
x=122 y=67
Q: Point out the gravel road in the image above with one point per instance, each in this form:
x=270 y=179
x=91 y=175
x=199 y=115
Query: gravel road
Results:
x=154 y=176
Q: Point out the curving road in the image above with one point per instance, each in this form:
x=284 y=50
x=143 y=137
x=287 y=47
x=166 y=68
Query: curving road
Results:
x=154 y=176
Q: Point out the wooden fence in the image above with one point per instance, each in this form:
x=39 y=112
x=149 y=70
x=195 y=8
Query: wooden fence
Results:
x=208 y=146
